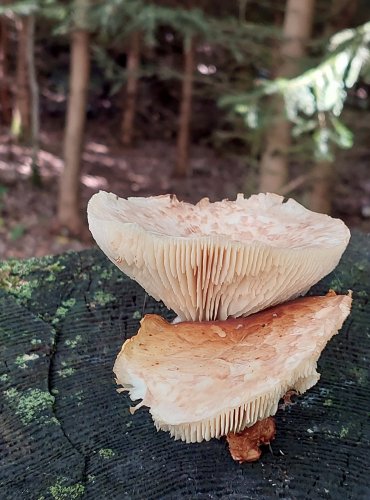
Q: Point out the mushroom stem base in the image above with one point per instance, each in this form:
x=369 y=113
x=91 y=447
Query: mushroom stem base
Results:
x=245 y=446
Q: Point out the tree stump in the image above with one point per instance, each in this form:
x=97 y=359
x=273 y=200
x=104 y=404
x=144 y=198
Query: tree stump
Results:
x=67 y=434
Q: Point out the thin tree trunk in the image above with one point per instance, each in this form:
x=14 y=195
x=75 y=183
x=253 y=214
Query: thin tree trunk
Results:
x=5 y=104
x=133 y=63
x=320 y=196
x=21 y=121
x=182 y=161
x=69 y=188
x=34 y=91
x=274 y=171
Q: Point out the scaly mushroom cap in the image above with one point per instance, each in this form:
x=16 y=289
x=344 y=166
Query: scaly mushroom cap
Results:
x=206 y=379
x=217 y=260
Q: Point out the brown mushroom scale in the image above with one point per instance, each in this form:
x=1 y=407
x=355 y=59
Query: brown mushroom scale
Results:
x=217 y=260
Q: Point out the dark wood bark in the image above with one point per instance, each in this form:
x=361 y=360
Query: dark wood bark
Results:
x=69 y=190
x=129 y=110
x=182 y=159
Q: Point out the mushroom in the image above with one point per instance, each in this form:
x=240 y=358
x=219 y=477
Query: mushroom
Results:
x=217 y=260
x=203 y=380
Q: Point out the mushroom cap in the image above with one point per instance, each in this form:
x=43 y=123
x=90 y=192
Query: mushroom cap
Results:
x=217 y=260
x=206 y=379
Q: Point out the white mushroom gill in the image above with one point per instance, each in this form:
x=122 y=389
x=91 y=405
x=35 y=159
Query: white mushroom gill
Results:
x=206 y=379
x=217 y=260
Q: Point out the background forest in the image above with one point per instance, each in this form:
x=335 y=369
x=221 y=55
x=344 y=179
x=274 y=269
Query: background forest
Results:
x=197 y=98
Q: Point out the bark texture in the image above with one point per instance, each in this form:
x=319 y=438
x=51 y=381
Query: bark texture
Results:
x=133 y=63
x=69 y=189
x=182 y=160
x=296 y=31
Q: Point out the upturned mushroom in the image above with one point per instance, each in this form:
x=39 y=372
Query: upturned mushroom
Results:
x=203 y=380
x=212 y=261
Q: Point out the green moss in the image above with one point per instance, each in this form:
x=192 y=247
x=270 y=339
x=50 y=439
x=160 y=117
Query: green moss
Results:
x=21 y=267
x=79 y=396
x=55 y=267
x=62 y=310
x=61 y=492
x=4 y=377
x=103 y=298
x=360 y=374
x=106 y=453
x=36 y=341
x=336 y=284
x=328 y=402
x=106 y=273
x=66 y=372
x=54 y=421
x=17 y=285
x=14 y=274
x=29 y=405
x=136 y=315
x=102 y=272
x=22 y=360
x=344 y=432
x=7 y=281
x=73 y=342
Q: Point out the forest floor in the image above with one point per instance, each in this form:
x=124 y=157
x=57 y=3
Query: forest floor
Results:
x=27 y=213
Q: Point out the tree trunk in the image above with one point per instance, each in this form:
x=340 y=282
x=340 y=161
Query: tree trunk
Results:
x=34 y=93
x=320 y=196
x=21 y=121
x=5 y=105
x=69 y=189
x=182 y=160
x=133 y=63
x=274 y=171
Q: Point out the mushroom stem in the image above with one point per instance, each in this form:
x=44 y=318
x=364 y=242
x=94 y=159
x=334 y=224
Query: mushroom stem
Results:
x=245 y=446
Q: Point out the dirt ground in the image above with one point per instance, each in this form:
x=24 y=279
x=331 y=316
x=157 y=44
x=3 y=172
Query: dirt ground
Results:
x=27 y=213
